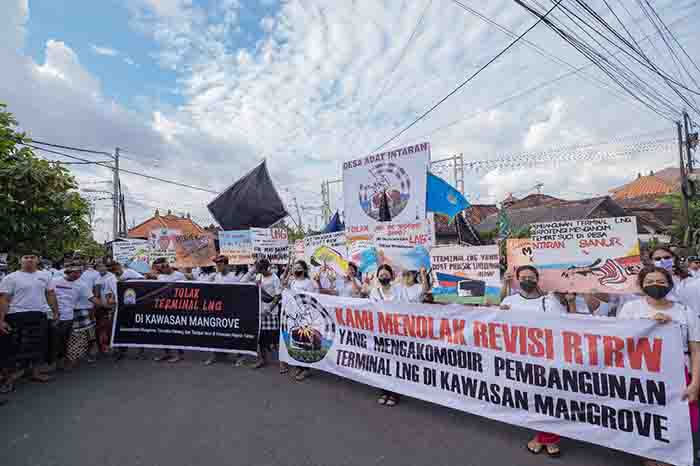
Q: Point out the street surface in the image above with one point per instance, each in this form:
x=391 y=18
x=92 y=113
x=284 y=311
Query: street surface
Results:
x=158 y=414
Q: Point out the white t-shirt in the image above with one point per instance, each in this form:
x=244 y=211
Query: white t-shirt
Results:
x=272 y=286
x=230 y=277
x=411 y=294
x=541 y=304
x=176 y=276
x=393 y=295
x=686 y=292
x=89 y=279
x=27 y=291
x=68 y=295
x=108 y=285
x=305 y=284
x=130 y=274
x=581 y=307
x=689 y=320
x=345 y=289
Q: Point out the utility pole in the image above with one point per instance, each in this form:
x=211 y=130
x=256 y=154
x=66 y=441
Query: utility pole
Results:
x=325 y=201
x=296 y=206
x=115 y=195
x=684 y=185
x=459 y=173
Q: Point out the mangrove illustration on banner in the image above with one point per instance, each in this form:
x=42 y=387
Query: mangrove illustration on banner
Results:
x=466 y=275
x=399 y=174
x=237 y=246
x=589 y=255
x=613 y=383
x=196 y=316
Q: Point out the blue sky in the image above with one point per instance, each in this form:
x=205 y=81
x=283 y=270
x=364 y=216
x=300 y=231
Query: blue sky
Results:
x=199 y=91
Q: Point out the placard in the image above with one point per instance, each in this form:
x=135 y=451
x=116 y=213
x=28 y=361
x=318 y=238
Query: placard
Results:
x=270 y=243
x=133 y=253
x=326 y=255
x=466 y=275
x=237 y=246
x=194 y=251
x=162 y=242
x=404 y=246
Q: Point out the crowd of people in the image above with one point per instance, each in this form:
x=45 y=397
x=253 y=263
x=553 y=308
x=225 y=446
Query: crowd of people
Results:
x=53 y=319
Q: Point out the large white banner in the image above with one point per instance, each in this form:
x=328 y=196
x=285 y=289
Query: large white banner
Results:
x=401 y=173
x=613 y=383
x=270 y=243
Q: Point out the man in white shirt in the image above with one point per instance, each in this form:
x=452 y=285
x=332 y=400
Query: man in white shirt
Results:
x=84 y=318
x=69 y=291
x=531 y=297
x=106 y=286
x=163 y=272
x=124 y=273
x=223 y=275
x=26 y=297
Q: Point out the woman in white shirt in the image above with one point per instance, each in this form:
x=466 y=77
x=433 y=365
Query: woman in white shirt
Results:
x=685 y=289
x=532 y=299
x=656 y=284
x=350 y=285
x=580 y=303
x=300 y=282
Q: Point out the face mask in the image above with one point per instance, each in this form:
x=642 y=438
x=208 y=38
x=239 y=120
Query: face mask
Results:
x=384 y=281
x=657 y=291
x=298 y=273
x=664 y=264
x=528 y=286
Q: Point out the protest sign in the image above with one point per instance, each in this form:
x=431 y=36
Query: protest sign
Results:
x=187 y=315
x=361 y=250
x=299 y=250
x=327 y=254
x=403 y=246
x=613 y=383
x=194 y=251
x=162 y=242
x=518 y=253
x=270 y=243
x=466 y=275
x=133 y=253
x=590 y=255
x=400 y=173
x=236 y=245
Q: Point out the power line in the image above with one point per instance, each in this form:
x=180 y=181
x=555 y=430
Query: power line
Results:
x=80 y=159
x=465 y=82
x=76 y=149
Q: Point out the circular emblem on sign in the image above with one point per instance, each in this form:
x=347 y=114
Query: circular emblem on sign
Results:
x=307 y=329
x=390 y=178
x=129 y=297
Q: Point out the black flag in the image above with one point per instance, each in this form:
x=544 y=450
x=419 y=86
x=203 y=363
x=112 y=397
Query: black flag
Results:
x=251 y=201
x=384 y=211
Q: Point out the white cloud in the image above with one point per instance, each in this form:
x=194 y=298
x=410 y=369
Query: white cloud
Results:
x=267 y=23
x=110 y=52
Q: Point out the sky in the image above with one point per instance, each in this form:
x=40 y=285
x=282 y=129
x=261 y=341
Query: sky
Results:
x=200 y=91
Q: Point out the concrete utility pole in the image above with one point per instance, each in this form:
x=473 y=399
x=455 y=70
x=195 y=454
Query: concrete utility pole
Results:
x=116 y=195
x=684 y=184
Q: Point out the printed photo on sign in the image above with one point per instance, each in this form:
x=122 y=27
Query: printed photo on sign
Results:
x=466 y=275
x=589 y=255
x=237 y=246
x=400 y=175
x=162 y=242
x=194 y=251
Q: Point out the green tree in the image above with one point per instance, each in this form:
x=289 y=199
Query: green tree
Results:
x=40 y=206
x=676 y=230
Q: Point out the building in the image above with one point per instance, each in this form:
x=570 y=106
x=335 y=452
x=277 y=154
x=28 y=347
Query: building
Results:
x=185 y=225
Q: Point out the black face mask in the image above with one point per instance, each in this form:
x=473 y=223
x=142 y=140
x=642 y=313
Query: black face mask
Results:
x=528 y=286
x=384 y=281
x=298 y=273
x=657 y=291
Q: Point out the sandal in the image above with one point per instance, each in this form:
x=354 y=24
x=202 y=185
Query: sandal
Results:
x=284 y=369
x=382 y=399
x=552 y=450
x=302 y=374
x=392 y=401
x=535 y=450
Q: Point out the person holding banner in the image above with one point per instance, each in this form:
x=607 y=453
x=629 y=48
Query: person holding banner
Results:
x=349 y=286
x=107 y=292
x=684 y=290
x=581 y=303
x=657 y=284
x=300 y=282
x=271 y=296
x=223 y=275
x=163 y=272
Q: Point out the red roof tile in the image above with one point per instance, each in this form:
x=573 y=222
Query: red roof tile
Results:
x=643 y=186
x=186 y=226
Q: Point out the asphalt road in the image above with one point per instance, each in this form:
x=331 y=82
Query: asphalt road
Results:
x=158 y=414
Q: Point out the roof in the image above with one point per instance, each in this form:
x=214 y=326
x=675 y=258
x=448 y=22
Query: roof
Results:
x=534 y=200
x=664 y=182
x=444 y=230
x=476 y=213
x=185 y=224
x=649 y=202
x=566 y=210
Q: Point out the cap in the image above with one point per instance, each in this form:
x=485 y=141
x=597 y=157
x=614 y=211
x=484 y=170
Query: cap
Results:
x=221 y=258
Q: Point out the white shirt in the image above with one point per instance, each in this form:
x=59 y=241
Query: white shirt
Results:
x=411 y=294
x=305 y=284
x=378 y=294
x=272 y=286
x=27 y=291
x=68 y=294
x=108 y=285
x=130 y=274
x=581 y=307
x=686 y=292
x=689 y=320
x=541 y=304
x=176 y=276
x=219 y=277
x=89 y=279
x=345 y=289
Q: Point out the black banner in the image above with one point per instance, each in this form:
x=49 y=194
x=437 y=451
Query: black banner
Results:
x=187 y=315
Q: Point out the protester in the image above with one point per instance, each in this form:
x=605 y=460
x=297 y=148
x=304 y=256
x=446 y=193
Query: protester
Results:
x=300 y=282
x=26 y=296
x=532 y=299
x=683 y=291
x=581 y=303
x=349 y=286
x=125 y=273
x=407 y=292
x=657 y=284
x=693 y=263
x=106 y=286
x=271 y=294
x=68 y=291
x=163 y=272
x=223 y=275
x=82 y=342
